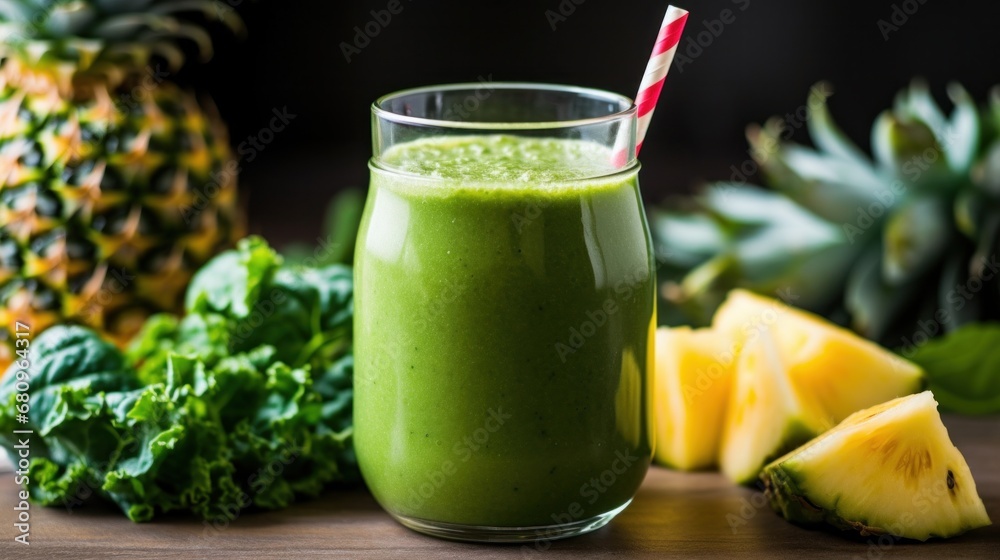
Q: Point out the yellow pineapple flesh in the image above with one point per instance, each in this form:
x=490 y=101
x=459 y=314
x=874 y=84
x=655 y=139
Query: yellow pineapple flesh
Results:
x=693 y=377
x=833 y=370
x=887 y=470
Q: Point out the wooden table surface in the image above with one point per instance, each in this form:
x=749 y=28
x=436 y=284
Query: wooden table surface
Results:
x=674 y=515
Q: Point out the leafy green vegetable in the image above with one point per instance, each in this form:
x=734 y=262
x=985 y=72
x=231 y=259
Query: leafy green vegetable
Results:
x=964 y=368
x=231 y=282
x=245 y=402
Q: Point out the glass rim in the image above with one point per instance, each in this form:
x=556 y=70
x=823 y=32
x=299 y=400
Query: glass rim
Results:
x=623 y=100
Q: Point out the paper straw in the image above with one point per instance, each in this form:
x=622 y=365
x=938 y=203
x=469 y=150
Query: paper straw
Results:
x=656 y=73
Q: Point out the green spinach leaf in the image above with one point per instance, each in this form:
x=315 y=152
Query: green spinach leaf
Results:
x=964 y=368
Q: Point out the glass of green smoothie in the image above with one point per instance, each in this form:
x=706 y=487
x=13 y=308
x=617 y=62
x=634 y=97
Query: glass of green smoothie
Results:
x=505 y=303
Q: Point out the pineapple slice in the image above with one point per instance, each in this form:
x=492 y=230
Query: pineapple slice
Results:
x=766 y=417
x=890 y=469
x=833 y=369
x=693 y=375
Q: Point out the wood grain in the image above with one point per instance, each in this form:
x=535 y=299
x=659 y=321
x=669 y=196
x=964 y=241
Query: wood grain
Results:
x=674 y=515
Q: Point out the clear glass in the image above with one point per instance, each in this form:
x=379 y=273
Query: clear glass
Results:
x=503 y=325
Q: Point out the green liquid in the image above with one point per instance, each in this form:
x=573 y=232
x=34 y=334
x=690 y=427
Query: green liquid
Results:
x=504 y=323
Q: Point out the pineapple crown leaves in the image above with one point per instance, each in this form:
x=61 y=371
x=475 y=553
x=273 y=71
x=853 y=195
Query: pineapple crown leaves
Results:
x=891 y=220
x=739 y=236
x=100 y=36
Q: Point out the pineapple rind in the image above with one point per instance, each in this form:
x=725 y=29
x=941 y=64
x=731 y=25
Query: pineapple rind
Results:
x=786 y=500
x=796 y=433
x=109 y=201
x=788 y=480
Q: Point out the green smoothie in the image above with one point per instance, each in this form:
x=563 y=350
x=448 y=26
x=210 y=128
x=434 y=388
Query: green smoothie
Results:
x=503 y=332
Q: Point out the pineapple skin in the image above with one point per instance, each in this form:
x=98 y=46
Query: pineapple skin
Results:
x=110 y=199
x=786 y=480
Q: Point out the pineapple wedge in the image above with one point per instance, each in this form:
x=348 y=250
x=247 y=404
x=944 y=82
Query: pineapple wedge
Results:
x=890 y=469
x=766 y=417
x=693 y=375
x=834 y=370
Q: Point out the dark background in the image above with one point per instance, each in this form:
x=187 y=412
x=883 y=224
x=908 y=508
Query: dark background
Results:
x=761 y=64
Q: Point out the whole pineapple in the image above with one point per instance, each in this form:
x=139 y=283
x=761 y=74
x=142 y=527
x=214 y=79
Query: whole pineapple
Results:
x=901 y=246
x=115 y=184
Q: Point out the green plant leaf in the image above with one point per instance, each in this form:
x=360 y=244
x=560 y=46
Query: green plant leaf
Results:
x=964 y=368
x=687 y=239
x=986 y=175
x=917 y=156
x=777 y=244
x=343 y=218
x=340 y=232
x=961 y=137
x=827 y=135
x=954 y=310
x=915 y=237
x=873 y=303
x=832 y=188
x=230 y=283
x=882 y=142
x=970 y=205
x=202 y=408
x=986 y=248
x=917 y=102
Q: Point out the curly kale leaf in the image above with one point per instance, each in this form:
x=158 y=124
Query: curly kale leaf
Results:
x=245 y=402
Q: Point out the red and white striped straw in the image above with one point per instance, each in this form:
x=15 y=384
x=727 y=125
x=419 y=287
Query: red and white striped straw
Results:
x=657 y=68
x=656 y=72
